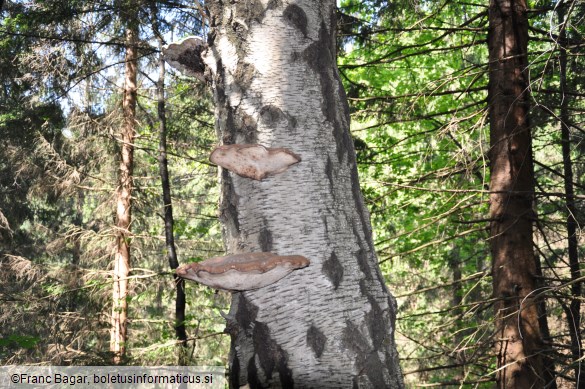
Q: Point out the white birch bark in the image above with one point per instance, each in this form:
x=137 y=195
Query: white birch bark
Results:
x=275 y=83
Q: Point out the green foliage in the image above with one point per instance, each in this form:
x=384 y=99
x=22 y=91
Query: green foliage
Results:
x=19 y=341
x=416 y=77
x=58 y=124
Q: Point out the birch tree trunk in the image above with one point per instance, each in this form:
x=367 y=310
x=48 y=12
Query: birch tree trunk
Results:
x=330 y=325
x=518 y=339
x=127 y=133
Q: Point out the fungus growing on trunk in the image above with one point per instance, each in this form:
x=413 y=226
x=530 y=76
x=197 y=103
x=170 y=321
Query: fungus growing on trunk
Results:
x=253 y=160
x=185 y=56
x=241 y=272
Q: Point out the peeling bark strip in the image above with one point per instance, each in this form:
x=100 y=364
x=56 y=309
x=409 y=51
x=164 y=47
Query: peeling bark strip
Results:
x=242 y=271
x=275 y=83
x=518 y=340
x=253 y=161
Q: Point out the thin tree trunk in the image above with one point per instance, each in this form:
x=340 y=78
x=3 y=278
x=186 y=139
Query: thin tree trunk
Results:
x=548 y=359
x=167 y=204
x=518 y=340
x=456 y=301
x=331 y=324
x=574 y=312
x=122 y=265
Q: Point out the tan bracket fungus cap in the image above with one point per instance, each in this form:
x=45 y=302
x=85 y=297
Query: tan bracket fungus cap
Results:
x=253 y=160
x=241 y=272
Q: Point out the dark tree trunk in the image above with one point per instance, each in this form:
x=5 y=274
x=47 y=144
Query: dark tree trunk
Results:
x=548 y=359
x=331 y=324
x=574 y=311
x=518 y=339
x=167 y=204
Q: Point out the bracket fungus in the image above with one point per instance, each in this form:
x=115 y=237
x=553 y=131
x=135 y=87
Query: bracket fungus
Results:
x=241 y=272
x=253 y=160
x=185 y=56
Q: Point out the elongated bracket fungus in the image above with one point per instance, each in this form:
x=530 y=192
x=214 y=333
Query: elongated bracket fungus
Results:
x=185 y=56
x=241 y=272
x=252 y=160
